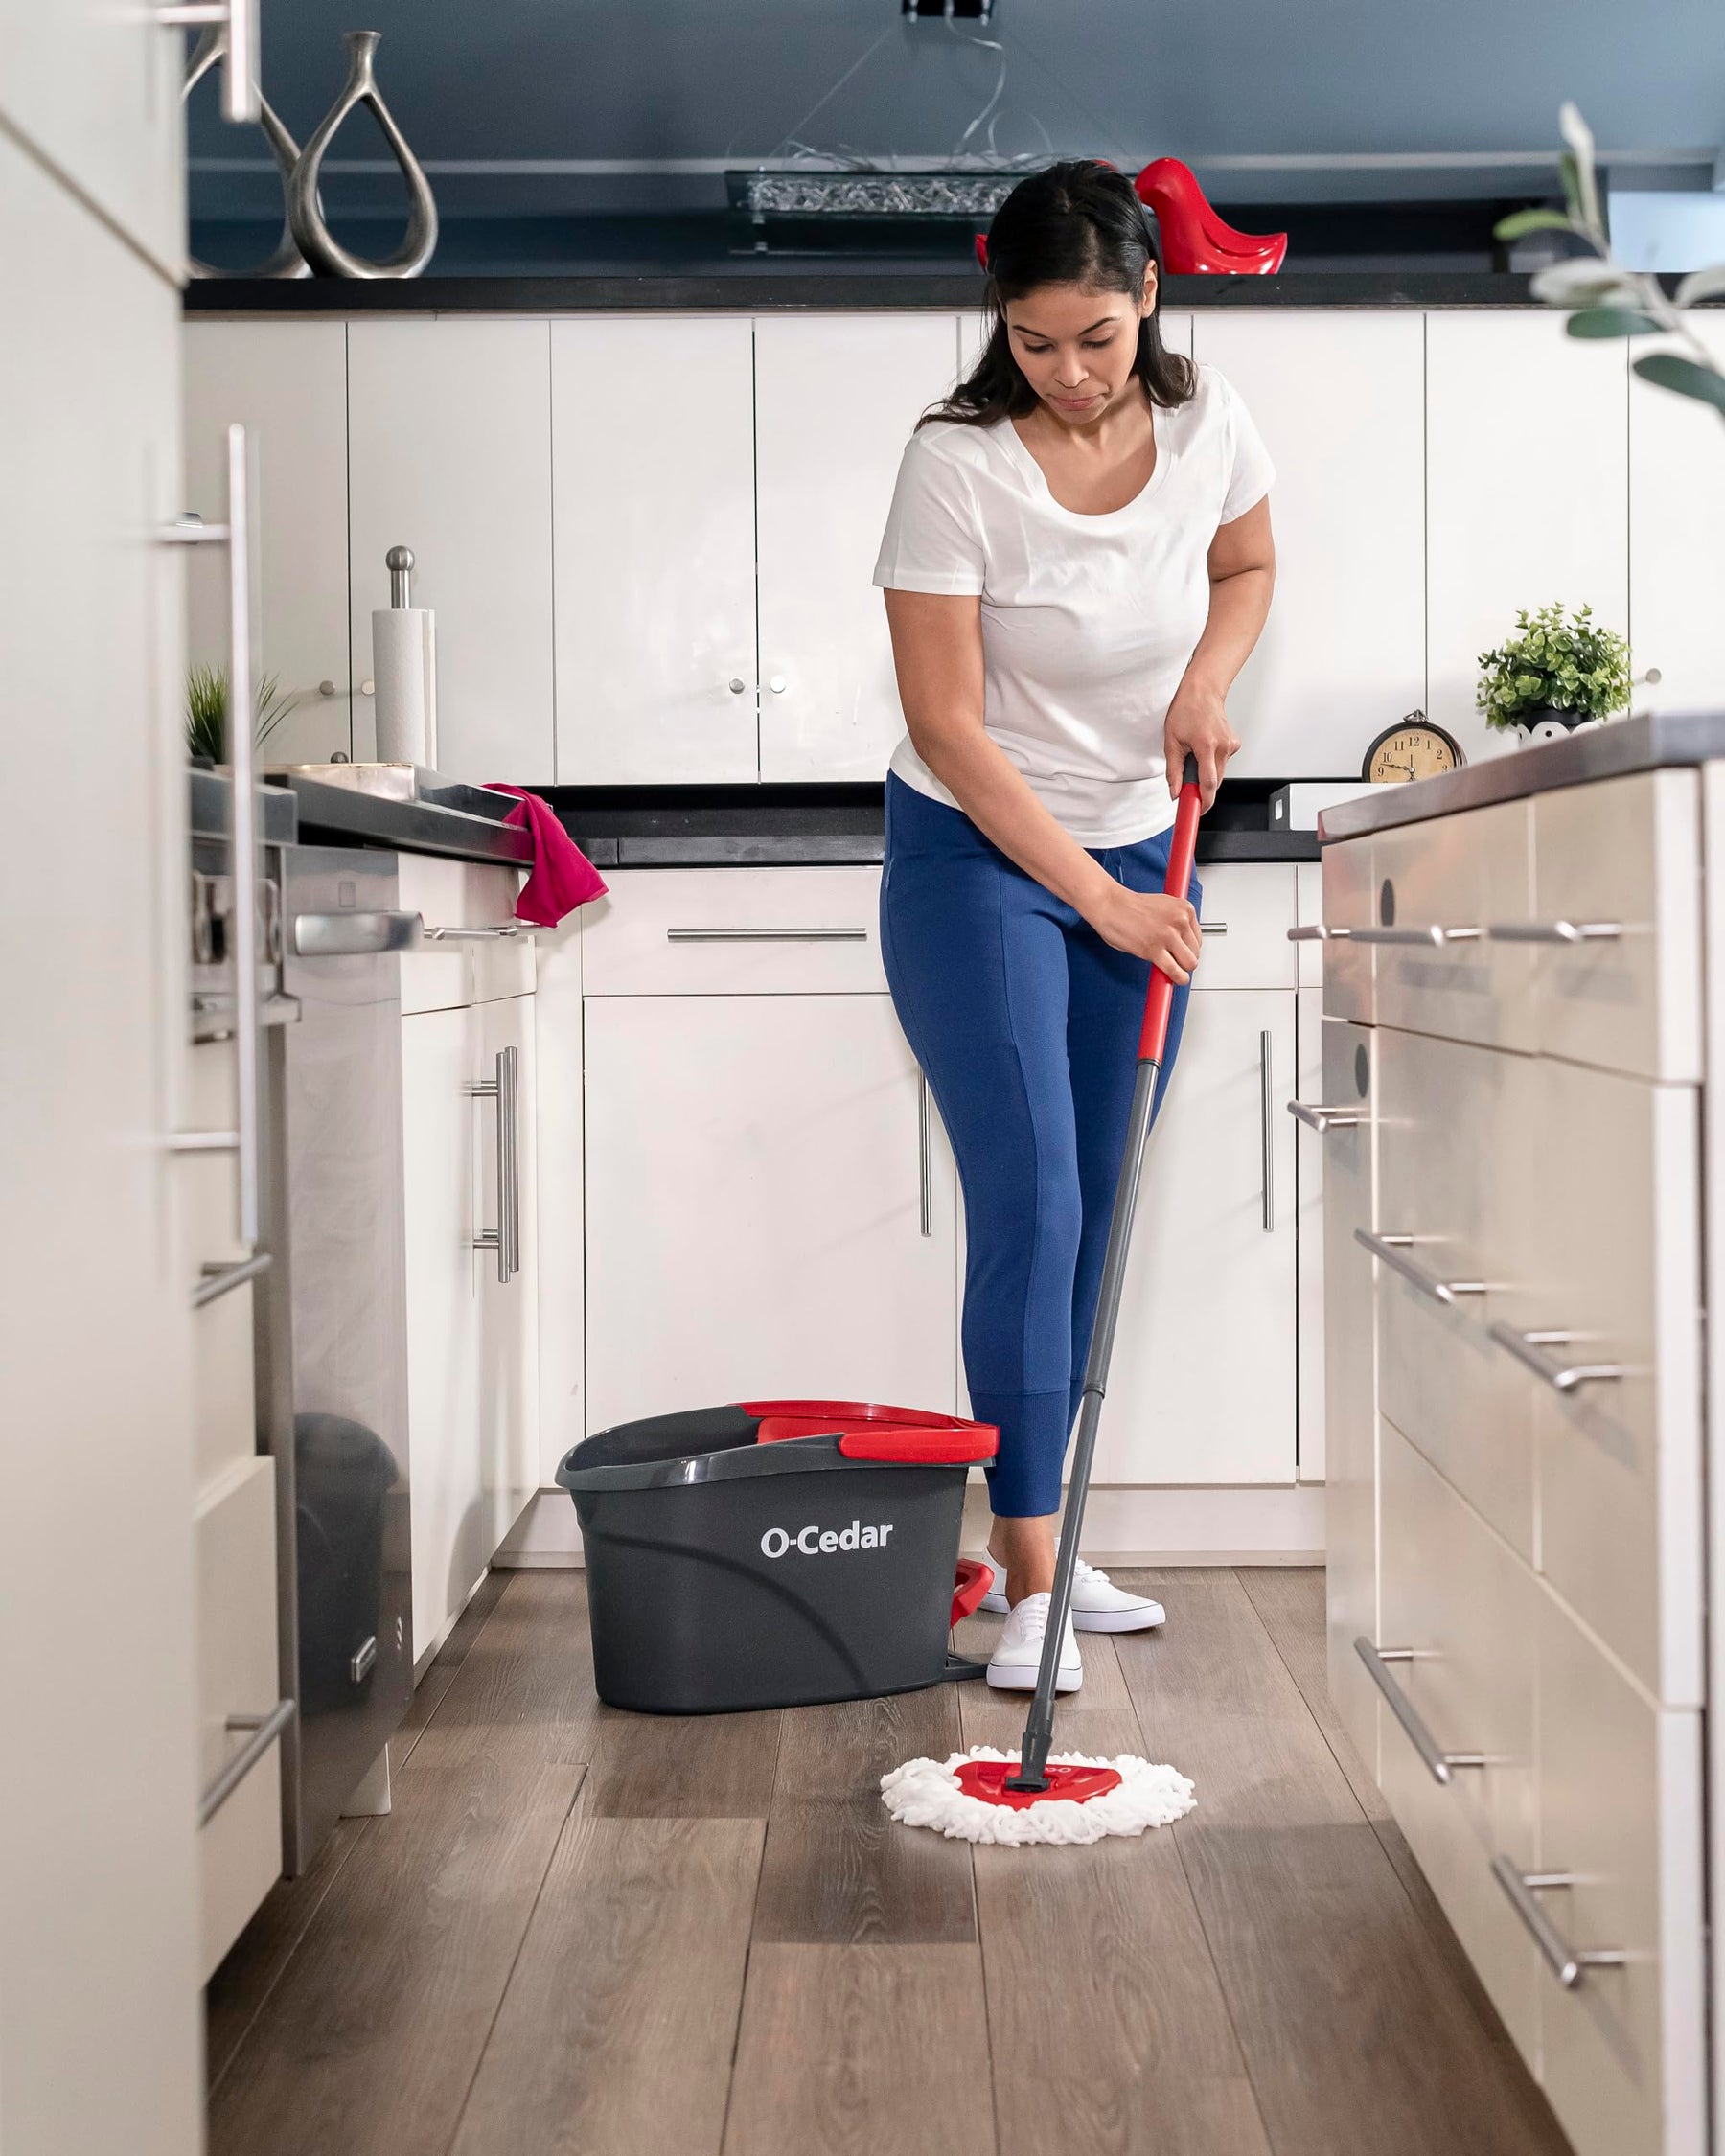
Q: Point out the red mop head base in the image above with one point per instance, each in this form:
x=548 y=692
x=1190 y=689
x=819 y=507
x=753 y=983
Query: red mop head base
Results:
x=987 y=1780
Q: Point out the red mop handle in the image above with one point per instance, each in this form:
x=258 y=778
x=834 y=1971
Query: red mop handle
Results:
x=1153 y=1039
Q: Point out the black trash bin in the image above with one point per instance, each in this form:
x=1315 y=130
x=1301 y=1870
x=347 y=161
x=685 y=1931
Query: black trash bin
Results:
x=774 y=1553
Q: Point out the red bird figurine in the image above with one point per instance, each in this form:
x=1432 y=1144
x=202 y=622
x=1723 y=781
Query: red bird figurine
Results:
x=1195 y=241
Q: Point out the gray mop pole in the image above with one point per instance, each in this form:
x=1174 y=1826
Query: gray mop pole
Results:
x=1039 y=1728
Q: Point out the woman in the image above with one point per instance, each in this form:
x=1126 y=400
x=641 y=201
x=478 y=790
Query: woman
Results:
x=1077 y=563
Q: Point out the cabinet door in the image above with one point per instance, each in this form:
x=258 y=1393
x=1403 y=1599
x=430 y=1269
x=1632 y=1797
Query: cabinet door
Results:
x=440 y=1058
x=1676 y=552
x=655 y=539
x=286 y=382
x=508 y=1309
x=95 y=90
x=1339 y=401
x=754 y=1206
x=1526 y=495
x=1203 y=1386
x=450 y=454
x=1308 y=1174
x=836 y=399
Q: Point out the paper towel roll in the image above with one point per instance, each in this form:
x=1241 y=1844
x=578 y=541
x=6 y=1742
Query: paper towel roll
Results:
x=405 y=675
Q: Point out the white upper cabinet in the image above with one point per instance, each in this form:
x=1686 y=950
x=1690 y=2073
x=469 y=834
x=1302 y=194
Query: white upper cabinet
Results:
x=655 y=574
x=836 y=399
x=1676 y=550
x=1339 y=397
x=1526 y=457
x=450 y=454
x=95 y=90
x=287 y=384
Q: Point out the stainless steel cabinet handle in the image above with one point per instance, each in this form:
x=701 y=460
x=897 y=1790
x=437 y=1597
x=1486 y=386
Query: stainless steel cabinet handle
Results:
x=1323 y=1119
x=1554 y=931
x=1528 y=1350
x=925 y=1159
x=497 y=931
x=1391 y=1250
x=1435 y=935
x=1438 y=1763
x=1267 y=1130
x=1212 y=928
x=264 y=1730
x=1319 y=932
x=1567 y=1963
x=506 y=1238
x=353 y=935
x=240 y=99
x=219 y=1279
x=766 y=935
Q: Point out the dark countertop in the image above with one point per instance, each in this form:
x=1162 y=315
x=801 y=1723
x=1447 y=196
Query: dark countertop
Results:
x=753 y=288
x=1656 y=741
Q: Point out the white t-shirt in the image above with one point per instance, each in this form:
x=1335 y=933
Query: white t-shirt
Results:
x=1088 y=622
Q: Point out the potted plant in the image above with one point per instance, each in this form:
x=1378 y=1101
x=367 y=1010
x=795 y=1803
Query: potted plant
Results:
x=1560 y=673
x=206 y=712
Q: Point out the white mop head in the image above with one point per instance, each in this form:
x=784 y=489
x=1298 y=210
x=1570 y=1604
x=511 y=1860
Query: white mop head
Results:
x=926 y=1792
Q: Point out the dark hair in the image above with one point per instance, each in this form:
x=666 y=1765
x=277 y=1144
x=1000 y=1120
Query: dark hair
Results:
x=1075 y=223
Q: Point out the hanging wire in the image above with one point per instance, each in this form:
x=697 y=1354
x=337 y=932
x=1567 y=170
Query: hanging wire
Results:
x=791 y=140
x=990 y=112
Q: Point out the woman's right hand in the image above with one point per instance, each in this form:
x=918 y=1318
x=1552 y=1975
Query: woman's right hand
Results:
x=1150 y=925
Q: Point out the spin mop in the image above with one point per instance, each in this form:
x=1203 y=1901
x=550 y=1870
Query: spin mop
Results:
x=987 y=1795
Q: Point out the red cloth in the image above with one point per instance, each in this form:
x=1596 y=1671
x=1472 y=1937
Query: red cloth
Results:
x=563 y=877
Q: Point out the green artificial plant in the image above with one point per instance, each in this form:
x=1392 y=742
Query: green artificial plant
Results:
x=1606 y=299
x=1558 y=663
x=206 y=711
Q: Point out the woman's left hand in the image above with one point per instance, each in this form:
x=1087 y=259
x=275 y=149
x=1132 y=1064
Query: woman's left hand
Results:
x=1197 y=725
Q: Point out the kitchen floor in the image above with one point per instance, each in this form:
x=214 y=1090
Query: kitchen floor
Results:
x=595 y=1934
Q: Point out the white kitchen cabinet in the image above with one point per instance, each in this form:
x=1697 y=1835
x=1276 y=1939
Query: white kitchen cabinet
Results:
x=836 y=398
x=450 y=454
x=98 y=1878
x=1339 y=398
x=285 y=381
x=1527 y=492
x=1676 y=551
x=560 y=1121
x=95 y=91
x=755 y=1224
x=656 y=678
x=1203 y=1389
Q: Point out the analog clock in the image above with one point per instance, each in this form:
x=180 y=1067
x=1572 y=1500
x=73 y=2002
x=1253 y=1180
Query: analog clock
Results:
x=1413 y=749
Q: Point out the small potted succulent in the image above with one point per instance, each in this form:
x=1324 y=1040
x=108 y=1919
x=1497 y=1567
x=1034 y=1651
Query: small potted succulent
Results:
x=1561 y=672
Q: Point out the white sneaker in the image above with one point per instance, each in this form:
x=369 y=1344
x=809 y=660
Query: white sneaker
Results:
x=1018 y=1653
x=1098 y=1605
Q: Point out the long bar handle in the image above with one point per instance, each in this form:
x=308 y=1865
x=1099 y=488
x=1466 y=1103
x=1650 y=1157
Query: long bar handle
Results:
x=1319 y=932
x=264 y=1730
x=241 y=101
x=1529 y=1351
x=506 y=1238
x=766 y=935
x=925 y=1160
x=495 y=933
x=1568 y=1963
x=1438 y=1763
x=1324 y=1119
x=1554 y=931
x=1392 y=1249
x=1435 y=935
x=1267 y=1129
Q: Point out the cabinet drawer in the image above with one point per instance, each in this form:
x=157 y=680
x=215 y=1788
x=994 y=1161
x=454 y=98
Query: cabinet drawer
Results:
x=1445 y=1113
x=1617 y=894
x=1248 y=910
x=1437 y=887
x=462 y=894
x=1605 y=1264
x=735 y=931
x=1619 y=1812
x=1347 y=903
x=1465 y=1608
x=239 y=1851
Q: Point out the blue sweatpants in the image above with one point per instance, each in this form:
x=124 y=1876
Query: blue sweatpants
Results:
x=1025 y=1024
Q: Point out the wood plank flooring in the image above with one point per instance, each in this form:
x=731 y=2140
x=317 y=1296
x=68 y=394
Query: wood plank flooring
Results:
x=582 y=1933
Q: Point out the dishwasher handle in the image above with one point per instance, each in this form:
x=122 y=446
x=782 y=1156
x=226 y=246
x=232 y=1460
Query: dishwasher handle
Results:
x=354 y=935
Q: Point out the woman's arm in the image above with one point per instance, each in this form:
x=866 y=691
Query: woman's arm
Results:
x=1242 y=574
x=937 y=650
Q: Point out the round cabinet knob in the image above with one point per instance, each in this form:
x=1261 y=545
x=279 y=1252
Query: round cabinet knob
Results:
x=737 y=684
x=778 y=684
x=326 y=688
x=1653 y=676
x=367 y=688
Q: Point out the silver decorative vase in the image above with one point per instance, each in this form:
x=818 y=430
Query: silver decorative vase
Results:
x=324 y=253
x=287 y=260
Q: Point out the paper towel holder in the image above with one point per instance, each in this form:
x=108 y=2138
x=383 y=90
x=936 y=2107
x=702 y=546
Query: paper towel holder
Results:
x=398 y=561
